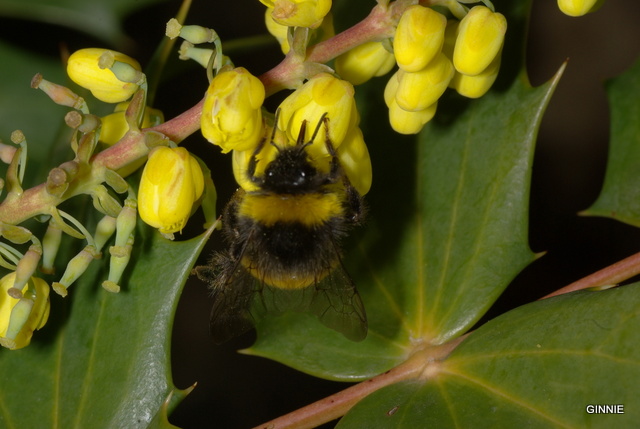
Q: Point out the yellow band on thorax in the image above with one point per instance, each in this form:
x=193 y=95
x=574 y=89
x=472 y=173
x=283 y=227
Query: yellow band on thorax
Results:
x=307 y=209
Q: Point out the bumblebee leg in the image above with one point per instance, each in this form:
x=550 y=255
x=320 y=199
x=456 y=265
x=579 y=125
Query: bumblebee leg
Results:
x=251 y=166
x=335 y=171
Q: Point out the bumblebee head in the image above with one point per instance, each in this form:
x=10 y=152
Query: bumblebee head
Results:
x=291 y=172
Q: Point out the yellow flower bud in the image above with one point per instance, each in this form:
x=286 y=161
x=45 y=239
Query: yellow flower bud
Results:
x=171 y=183
x=298 y=13
x=418 y=38
x=323 y=93
x=232 y=115
x=480 y=39
x=363 y=62
x=20 y=317
x=114 y=125
x=476 y=86
x=354 y=159
x=419 y=90
x=323 y=32
x=578 y=7
x=406 y=122
x=84 y=70
x=278 y=31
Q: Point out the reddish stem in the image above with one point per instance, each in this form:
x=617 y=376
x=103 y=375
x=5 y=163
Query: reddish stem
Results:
x=335 y=406
x=609 y=276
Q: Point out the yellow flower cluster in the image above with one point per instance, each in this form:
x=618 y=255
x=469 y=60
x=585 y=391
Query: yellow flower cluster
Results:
x=232 y=119
x=579 y=7
x=434 y=54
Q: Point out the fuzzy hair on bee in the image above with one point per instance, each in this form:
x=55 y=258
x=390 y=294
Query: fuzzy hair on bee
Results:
x=284 y=244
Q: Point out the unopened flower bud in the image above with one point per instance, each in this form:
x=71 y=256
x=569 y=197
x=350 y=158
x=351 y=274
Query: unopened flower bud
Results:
x=363 y=62
x=20 y=317
x=406 y=122
x=126 y=221
x=59 y=94
x=418 y=38
x=50 y=246
x=75 y=268
x=321 y=94
x=298 y=13
x=104 y=230
x=354 y=159
x=115 y=126
x=478 y=85
x=419 y=90
x=171 y=183
x=480 y=39
x=232 y=115
x=84 y=69
x=578 y=7
x=27 y=266
x=120 y=256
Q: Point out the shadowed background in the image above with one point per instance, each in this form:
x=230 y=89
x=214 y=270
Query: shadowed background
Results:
x=237 y=391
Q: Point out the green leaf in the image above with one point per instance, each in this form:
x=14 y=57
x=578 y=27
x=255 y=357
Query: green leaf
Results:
x=106 y=362
x=620 y=195
x=537 y=366
x=442 y=244
x=27 y=109
x=98 y=18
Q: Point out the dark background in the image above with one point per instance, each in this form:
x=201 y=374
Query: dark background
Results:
x=237 y=391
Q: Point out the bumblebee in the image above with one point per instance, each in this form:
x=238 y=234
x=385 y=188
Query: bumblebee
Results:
x=284 y=244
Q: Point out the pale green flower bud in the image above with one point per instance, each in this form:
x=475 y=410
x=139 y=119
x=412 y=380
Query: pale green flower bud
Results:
x=84 y=69
x=232 y=115
x=171 y=183
x=419 y=90
x=579 y=7
x=363 y=62
x=75 y=268
x=50 y=246
x=321 y=94
x=418 y=38
x=480 y=39
x=19 y=317
x=298 y=13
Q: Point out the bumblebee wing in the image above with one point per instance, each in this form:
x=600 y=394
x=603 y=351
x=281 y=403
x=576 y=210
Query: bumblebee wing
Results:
x=334 y=300
x=338 y=305
x=233 y=289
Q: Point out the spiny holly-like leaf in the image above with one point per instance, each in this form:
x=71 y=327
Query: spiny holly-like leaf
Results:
x=620 y=195
x=105 y=363
x=538 y=366
x=442 y=244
